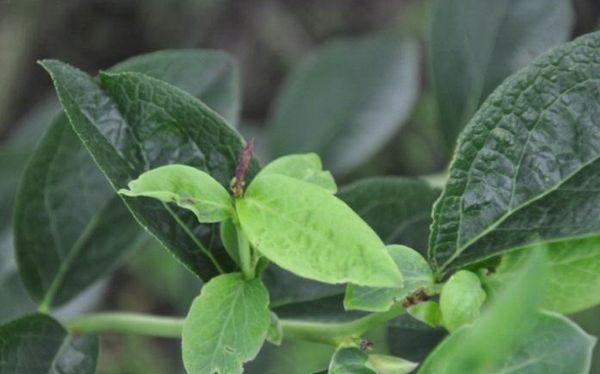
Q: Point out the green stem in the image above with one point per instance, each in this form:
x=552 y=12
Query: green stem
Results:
x=133 y=323
x=246 y=262
x=167 y=327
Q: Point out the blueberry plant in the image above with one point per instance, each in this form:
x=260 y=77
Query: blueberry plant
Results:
x=509 y=247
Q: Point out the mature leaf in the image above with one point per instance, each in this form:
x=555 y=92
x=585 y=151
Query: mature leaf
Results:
x=168 y=126
x=292 y=357
x=526 y=169
x=72 y=209
x=38 y=344
x=350 y=360
x=212 y=76
x=398 y=209
x=494 y=338
x=230 y=240
x=14 y=301
x=415 y=271
x=461 y=299
x=306 y=230
x=574 y=278
x=187 y=187
x=306 y=167
x=226 y=325
x=346 y=100
x=475 y=44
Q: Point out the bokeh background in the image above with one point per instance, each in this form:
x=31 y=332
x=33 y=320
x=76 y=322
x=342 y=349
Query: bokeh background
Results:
x=268 y=38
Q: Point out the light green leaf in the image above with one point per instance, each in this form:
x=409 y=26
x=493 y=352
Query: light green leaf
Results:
x=37 y=344
x=526 y=168
x=385 y=364
x=230 y=240
x=475 y=44
x=226 y=325
x=461 y=299
x=305 y=229
x=350 y=360
x=275 y=333
x=306 y=167
x=427 y=312
x=346 y=100
x=574 y=278
x=415 y=271
x=494 y=338
x=187 y=187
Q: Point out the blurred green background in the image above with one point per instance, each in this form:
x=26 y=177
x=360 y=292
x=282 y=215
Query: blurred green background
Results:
x=268 y=38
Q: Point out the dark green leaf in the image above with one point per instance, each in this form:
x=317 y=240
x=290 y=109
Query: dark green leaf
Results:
x=38 y=344
x=292 y=357
x=475 y=44
x=226 y=325
x=346 y=100
x=574 y=278
x=526 y=168
x=168 y=126
x=398 y=209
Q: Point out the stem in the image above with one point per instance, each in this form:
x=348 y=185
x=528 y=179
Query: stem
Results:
x=134 y=323
x=246 y=262
x=167 y=327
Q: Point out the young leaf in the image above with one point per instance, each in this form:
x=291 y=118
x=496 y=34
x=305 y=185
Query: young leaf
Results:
x=427 y=312
x=127 y=140
x=69 y=199
x=398 y=209
x=415 y=271
x=526 y=168
x=306 y=167
x=574 y=278
x=475 y=44
x=226 y=325
x=37 y=344
x=187 y=187
x=229 y=239
x=305 y=229
x=488 y=343
x=384 y=364
x=351 y=360
x=346 y=100
x=461 y=299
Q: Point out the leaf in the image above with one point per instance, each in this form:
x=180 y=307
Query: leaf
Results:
x=14 y=301
x=275 y=333
x=306 y=230
x=70 y=213
x=346 y=100
x=427 y=312
x=212 y=76
x=487 y=343
x=398 y=209
x=415 y=271
x=127 y=140
x=475 y=44
x=38 y=344
x=226 y=325
x=187 y=187
x=306 y=167
x=461 y=299
x=385 y=364
x=574 y=279
x=525 y=171
x=350 y=360
x=230 y=240
x=292 y=357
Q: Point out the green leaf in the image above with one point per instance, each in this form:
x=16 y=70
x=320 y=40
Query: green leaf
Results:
x=212 y=76
x=127 y=140
x=493 y=338
x=385 y=364
x=275 y=333
x=187 y=187
x=305 y=229
x=525 y=171
x=346 y=100
x=461 y=299
x=350 y=360
x=306 y=167
x=292 y=357
x=65 y=193
x=37 y=344
x=415 y=271
x=427 y=312
x=230 y=240
x=574 y=278
x=226 y=325
x=475 y=44
x=398 y=209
